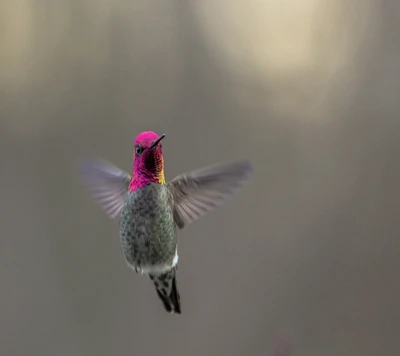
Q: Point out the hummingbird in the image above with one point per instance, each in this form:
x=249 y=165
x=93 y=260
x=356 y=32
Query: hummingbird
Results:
x=151 y=211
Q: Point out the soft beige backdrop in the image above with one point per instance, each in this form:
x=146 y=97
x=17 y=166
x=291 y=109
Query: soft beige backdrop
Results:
x=308 y=254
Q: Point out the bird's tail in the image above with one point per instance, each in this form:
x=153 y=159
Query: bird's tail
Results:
x=167 y=290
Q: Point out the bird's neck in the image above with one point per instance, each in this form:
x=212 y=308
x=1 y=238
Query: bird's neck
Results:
x=142 y=178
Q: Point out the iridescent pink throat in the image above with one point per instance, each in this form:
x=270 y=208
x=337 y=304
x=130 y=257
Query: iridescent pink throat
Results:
x=143 y=175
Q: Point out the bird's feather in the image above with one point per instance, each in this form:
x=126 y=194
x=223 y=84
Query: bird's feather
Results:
x=107 y=183
x=199 y=192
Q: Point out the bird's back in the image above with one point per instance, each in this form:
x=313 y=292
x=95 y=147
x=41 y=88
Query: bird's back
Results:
x=147 y=229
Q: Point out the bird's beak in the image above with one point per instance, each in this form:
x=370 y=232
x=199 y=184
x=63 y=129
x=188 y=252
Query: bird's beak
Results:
x=155 y=143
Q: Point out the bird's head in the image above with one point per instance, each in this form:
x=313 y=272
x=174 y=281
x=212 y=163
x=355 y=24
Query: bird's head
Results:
x=148 y=157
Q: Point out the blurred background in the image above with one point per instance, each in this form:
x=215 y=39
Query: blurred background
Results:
x=306 y=256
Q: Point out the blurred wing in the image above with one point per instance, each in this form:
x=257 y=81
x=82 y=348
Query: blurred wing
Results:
x=107 y=183
x=199 y=192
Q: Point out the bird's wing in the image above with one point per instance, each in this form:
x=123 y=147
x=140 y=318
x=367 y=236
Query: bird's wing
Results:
x=107 y=183
x=198 y=192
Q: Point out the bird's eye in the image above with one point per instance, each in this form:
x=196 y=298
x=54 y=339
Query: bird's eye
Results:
x=139 y=149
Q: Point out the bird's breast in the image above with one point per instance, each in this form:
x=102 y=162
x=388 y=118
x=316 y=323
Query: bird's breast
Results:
x=147 y=229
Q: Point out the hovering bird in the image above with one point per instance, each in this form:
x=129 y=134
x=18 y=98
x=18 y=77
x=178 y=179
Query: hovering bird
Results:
x=151 y=211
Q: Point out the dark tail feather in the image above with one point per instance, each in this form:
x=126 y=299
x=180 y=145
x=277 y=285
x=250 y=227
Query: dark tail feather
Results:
x=167 y=291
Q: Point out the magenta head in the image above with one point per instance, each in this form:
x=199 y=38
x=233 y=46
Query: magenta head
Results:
x=148 y=139
x=148 y=158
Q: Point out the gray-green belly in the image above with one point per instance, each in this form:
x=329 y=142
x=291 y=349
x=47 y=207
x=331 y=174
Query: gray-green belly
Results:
x=147 y=229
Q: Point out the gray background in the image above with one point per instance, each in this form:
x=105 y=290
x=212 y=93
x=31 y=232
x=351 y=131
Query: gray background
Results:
x=307 y=255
